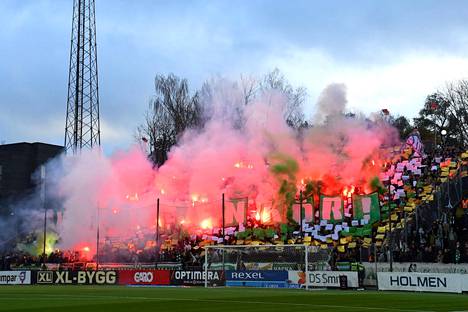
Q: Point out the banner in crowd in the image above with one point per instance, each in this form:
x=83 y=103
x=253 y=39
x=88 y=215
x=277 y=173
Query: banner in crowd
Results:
x=331 y=208
x=145 y=277
x=194 y=278
x=366 y=207
x=15 y=277
x=409 y=281
x=76 y=277
x=332 y=278
x=307 y=211
x=268 y=279
x=235 y=211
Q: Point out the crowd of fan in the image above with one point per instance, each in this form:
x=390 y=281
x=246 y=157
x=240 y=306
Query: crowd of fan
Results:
x=437 y=234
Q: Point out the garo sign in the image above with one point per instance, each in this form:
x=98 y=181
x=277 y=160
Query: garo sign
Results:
x=144 y=277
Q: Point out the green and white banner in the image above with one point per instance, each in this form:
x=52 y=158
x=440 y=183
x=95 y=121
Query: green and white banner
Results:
x=307 y=211
x=366 y=207
x=331 y=208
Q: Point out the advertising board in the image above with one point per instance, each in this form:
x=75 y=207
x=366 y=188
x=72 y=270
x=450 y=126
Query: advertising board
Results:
x=76 y=277
x=197 y=278
x=250 y=278
x=144 y=277
x=15 y=277
x=409 y=281
x=332 y=278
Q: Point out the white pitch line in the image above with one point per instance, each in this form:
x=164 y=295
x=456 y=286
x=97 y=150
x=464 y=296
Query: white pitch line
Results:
x=233 y=301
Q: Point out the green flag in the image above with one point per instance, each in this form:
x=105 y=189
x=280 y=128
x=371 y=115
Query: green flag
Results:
x=366 y=207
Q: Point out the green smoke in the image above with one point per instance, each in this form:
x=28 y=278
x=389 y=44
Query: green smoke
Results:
x=36 y=247
x=285 y=168
x=376 y=185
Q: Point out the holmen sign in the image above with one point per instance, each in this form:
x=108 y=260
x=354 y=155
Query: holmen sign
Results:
x=432 y=282
x=419 y=267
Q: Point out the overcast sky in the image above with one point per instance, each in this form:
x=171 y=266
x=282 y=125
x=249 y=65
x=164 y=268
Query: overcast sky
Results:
x=390 y=54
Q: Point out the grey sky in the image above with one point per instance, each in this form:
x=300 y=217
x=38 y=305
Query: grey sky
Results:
x=390 y=54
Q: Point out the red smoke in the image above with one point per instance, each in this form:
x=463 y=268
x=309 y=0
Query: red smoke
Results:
x=344 y=153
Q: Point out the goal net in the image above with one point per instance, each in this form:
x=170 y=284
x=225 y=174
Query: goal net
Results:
x=278 y=266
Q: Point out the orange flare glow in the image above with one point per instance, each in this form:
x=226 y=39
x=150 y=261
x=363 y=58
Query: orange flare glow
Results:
x=257 y=216
x=206 y=224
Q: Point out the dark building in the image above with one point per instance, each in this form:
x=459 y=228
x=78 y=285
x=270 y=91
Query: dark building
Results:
x=18 y=163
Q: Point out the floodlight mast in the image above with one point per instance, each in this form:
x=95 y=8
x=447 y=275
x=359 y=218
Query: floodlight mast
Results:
x=82 y=126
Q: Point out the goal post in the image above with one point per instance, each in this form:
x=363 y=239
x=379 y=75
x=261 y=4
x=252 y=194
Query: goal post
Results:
x=264 y=265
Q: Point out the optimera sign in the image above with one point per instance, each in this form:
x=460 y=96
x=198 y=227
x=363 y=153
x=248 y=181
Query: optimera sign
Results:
x=192 y=278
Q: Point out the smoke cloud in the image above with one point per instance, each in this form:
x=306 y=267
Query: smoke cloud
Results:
x=233 y=155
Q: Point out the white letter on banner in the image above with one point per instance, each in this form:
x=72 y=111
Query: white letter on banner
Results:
x=307 y=212
x=235 y=212
x=329 y=204
x=366 y=207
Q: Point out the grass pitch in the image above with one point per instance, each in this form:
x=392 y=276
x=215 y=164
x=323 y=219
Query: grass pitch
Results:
x=120 y=298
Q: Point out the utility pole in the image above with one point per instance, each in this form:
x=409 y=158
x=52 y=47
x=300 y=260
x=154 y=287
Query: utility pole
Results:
x=156 y=248
x=390 y=225
x=44 y=206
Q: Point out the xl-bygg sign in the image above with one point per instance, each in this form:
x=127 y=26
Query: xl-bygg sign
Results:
x=15 y=277
x=332 y=278
x=433 y=282
x=77 y=277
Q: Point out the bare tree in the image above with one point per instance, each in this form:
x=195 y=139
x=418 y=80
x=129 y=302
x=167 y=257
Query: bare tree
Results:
x=249 y=86
x=296 y=97
x=457 y=96
x=447 y=111
x=173 y=111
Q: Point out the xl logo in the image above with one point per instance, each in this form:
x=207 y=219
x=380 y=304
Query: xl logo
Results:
x=144 y=277
x=247 y=275
x=45 y=277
